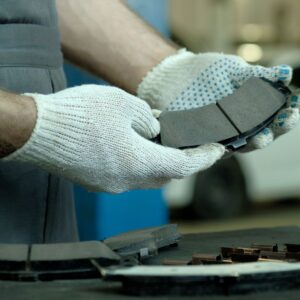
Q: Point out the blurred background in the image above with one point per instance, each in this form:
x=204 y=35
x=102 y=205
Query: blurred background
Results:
x=259 y=189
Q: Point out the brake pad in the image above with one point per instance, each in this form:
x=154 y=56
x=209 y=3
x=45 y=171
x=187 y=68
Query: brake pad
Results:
x=144 y=243
x=68 y=256
x=231 y=121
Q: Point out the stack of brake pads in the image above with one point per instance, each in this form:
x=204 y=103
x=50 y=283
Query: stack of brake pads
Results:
x=54 y=261
x=81 y=260
x=144 y=243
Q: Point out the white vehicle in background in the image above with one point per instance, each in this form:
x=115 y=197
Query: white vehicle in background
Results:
x=227 y=188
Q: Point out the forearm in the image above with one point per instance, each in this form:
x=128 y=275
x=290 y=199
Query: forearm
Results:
x=17 y=120
x=108 y=39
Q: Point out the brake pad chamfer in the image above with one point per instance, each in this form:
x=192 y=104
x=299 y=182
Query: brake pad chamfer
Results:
x=231 y=121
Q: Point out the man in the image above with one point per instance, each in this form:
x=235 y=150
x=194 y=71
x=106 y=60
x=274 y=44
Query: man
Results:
x=93 y=135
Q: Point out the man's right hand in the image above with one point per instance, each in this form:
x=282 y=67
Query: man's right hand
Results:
x=99 y=137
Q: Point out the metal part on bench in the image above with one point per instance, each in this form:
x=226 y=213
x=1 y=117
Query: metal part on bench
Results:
x=231 y=121
x=54 y=261
x=70 y=255
x=82 y=260
x=223 y=279
x=144 y=243
x=13 y=257
x=235 y=270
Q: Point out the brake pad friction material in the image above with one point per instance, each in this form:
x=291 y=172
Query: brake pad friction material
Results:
x=252 y=104
x=236 y=117
x=195 y=127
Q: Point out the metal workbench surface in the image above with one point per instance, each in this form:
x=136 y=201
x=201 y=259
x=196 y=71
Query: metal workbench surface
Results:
x=190 y=244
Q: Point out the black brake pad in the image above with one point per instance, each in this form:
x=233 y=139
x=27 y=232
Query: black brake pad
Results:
x=231 y=121
x=13 y=256
x=20 y=262
x=144 y=243
x=66 y=256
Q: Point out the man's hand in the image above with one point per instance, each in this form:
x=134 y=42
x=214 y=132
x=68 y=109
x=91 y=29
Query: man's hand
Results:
x=187 y=80
x=98 y=137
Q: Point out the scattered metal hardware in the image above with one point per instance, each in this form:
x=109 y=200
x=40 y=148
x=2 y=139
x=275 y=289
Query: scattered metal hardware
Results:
x=206 y=259
x=273 y=248
x=259 y=253
x=227 y=251
x=176 y=262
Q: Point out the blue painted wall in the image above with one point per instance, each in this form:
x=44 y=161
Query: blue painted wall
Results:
x=155 y=12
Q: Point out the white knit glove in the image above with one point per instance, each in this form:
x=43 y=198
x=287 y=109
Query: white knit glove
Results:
x=97 y=136
x=187 y=80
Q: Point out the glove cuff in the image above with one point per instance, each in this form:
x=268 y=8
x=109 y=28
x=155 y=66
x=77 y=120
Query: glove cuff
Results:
x=44 y=139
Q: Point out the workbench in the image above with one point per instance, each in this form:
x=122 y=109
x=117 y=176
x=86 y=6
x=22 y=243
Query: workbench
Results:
x=189 y=244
